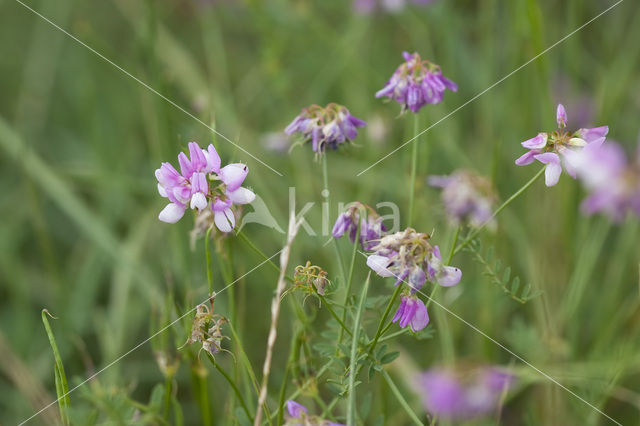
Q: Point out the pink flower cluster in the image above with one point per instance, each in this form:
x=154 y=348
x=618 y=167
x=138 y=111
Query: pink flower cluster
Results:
x=201 y=184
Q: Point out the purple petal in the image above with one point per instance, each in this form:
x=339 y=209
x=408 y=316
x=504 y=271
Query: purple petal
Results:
x=400 y=311
x=538 y=142
x=561 y=116
x=213 y=159
x=379 y=265
x=450 y=276
x=594 y=133
x=420 y=318
x=526 y=158
x=295 y=409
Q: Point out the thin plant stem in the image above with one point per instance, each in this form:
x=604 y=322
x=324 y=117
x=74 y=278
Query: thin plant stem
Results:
x=392 y=335
x=207 y=238
x=351 y=406
x=285 y=377
x=400 y=398
x=167 y=397
x=349 y=281
x=499 y=209
x=325 y=181
x=414 y=168
x=233 y=386
x=343 y=327
x=384 y=317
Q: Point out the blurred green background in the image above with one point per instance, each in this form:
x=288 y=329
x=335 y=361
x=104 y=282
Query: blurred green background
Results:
x=80 y=140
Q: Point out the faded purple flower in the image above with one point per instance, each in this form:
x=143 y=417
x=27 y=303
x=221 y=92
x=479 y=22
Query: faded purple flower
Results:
x=299 y=416
x=613 y=183
x=463 y=394
x=326 y=127
x=412 y=312
x=416 y=83
x=201 y=184
x=553 y=149
x=407 y=255
x=371 y=228
x=467 y=197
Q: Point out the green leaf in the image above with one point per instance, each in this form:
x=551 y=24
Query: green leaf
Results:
x=390 y=357
x=506 y=275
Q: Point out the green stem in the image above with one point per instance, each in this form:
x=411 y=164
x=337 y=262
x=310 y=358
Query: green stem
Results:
x=351 y=407
x=233 y=386
x=499 y=209
x=400 y=398
x=414 y=168
x=384 y=317
x=207 y=238
x=392 y=335
x=167 y=398
x=62 y=387
x=349 y=281
x=204 y=400
x=285 y=377
x=325 y=180
x=343 y=327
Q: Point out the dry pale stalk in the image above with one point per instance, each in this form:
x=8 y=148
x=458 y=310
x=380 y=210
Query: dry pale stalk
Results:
x=275 y=312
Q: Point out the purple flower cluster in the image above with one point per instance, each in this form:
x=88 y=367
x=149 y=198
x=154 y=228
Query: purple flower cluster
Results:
x=613 y=182
x=299 y=416
x=416 y=83
x=201 y=184
x=464 y=395
x=407 y=255
x=554 y=149
x=371 y=228
x=326 y=127
x=467 y=197
x=369 y=6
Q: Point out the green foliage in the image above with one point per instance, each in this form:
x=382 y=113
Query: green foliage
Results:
x=499 y=275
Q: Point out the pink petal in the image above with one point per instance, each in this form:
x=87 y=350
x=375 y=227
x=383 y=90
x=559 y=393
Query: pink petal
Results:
x=538 y=142
x=450 y=276
x=552 y=174
x=213 y=159
x=379 y=265
x=526 y=158
x=233 y=175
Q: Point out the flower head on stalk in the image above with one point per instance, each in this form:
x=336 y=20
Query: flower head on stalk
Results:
x=327 y=127
x=202 y=184
x=408 y=255
x=612 y=181
x=298 y=415
x=207 y=329
x=371 y=227
x=464 y=394
x=467 y=197
x=554 y=149
x=416 y=83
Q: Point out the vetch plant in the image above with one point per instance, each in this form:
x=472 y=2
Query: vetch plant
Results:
x=202 y=184
x=325 y=127
x=554 y=149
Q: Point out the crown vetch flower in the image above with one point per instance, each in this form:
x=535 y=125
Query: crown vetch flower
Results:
x=201 y=184
x=408 y=255
x=553 y=149
x=613 y=182
x=416 y=83
x=456 y=395
x=326 y=127
x=467 y=197
x=299 y=415
x=412 y=312
x=371 y=228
